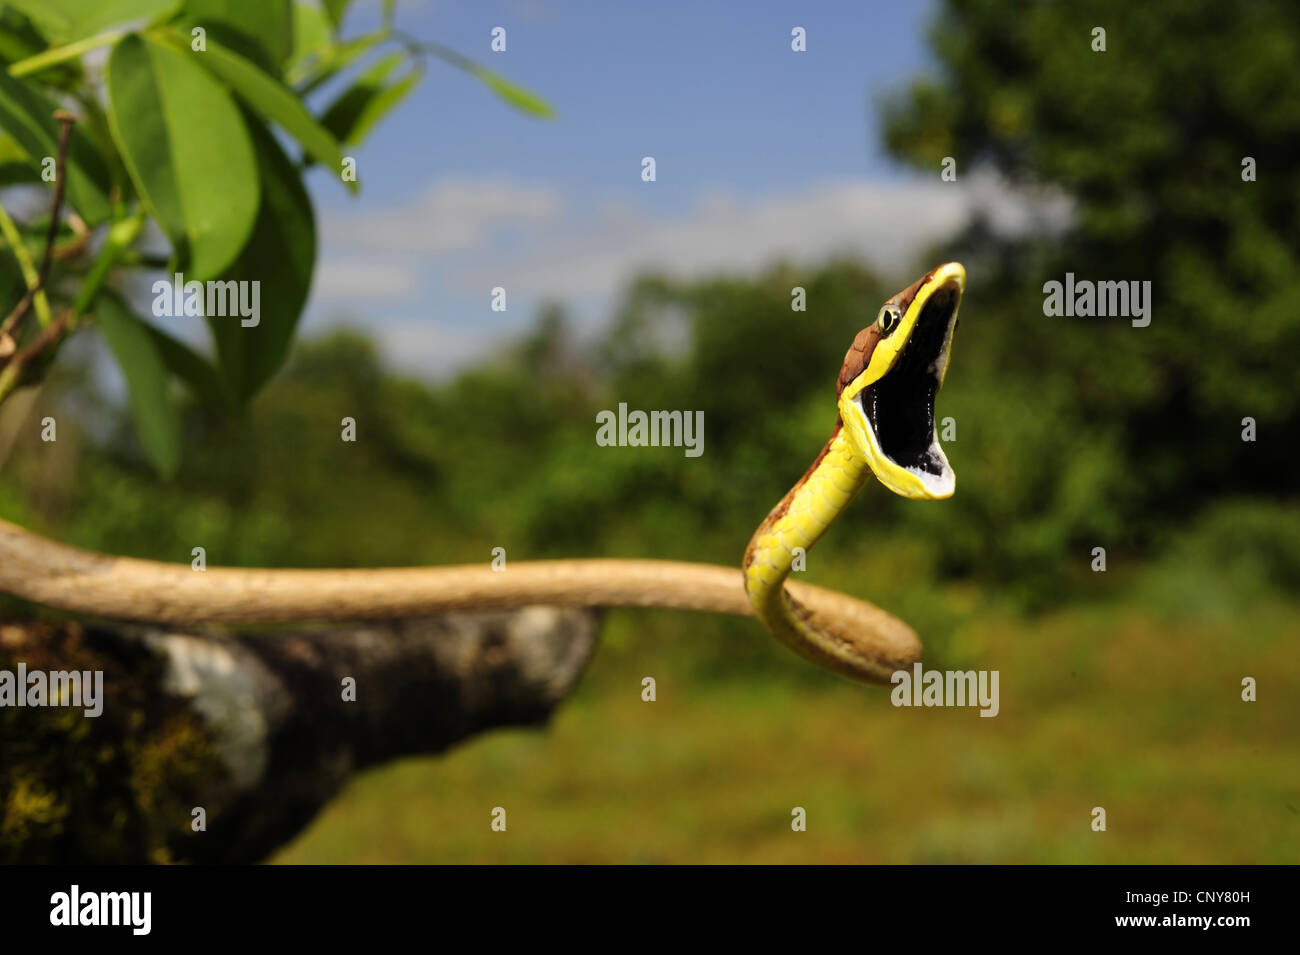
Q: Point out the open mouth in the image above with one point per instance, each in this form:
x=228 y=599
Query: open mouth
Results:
x=900 y=406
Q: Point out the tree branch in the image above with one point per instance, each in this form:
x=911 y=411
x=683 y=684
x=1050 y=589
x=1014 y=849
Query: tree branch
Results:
x=9 y=328
x=16 y=371
x=256 y=729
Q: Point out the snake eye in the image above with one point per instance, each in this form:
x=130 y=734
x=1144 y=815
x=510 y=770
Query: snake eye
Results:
x=888 y=318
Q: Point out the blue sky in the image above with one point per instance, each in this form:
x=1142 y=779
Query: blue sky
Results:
x=761 y=152
x=712 y=86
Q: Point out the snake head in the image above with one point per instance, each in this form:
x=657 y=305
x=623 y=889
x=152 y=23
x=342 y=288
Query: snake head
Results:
x=891 y=375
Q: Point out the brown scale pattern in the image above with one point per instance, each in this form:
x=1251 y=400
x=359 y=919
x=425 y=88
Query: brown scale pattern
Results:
x=859 y=353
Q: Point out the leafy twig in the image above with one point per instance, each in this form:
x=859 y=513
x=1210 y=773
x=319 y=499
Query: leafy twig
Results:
x=14 y=373
x=25 y=263
x=9 y=328
x=18 y=370
x=518 y=97
x=120 y=236
x=79 y=242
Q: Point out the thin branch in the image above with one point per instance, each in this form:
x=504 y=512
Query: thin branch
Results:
x=80 y=241
x=72 y=249
x=120 y=236
x=25 y=263
x=13 y=374
x=10 y=326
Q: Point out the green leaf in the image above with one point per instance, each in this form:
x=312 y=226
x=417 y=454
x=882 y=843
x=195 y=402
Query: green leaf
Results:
x=514 y=94
x=311 y=32
x=93 y=122
x=356 y=110
x=336 y=10
x=259 y=30
x=190 y=367
x=281 y=255
x=381 y=104
x=15 y=167
x=62 y=21
x=273 y=100
x=28 y=117
x=10 y=151
x=156 y=420
x=187 y=150
x=20 y=40
x=329 y=61
x=16 y=173
x=12 y=284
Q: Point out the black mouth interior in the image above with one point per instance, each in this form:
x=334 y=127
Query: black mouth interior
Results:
x=900 y=406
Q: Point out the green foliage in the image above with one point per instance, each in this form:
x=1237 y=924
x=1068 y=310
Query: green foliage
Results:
x=156 y=420
x=195 y=90
x=27 y=115
x=1235 y=554
x=336 y=9
x=1122 y=431
x=514 y=94
x=357 y=109
x=281 y=255
x=199 y=179
x=262 y=32
x=62 y=21
x=276 y=103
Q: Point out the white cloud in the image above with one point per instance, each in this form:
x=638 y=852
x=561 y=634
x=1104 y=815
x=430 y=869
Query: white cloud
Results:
x=454 y=215
x=442 y=253
x=362 y=280
x=886 y=225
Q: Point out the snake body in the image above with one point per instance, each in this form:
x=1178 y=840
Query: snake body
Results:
x=885 y=427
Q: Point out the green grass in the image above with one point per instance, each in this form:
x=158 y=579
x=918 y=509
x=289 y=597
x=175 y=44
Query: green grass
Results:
x=1104 y=706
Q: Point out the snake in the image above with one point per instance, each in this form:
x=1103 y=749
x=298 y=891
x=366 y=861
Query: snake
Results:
x=885 y=426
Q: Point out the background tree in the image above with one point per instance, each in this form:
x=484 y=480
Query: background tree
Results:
x=1179 y=147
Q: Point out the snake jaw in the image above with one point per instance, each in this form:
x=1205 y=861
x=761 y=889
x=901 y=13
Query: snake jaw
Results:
x=888 y=407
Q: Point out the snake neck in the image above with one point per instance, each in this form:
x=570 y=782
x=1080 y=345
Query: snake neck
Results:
x=796 y=524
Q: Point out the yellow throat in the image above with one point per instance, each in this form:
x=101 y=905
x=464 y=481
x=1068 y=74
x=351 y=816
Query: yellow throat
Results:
x=886 y=427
